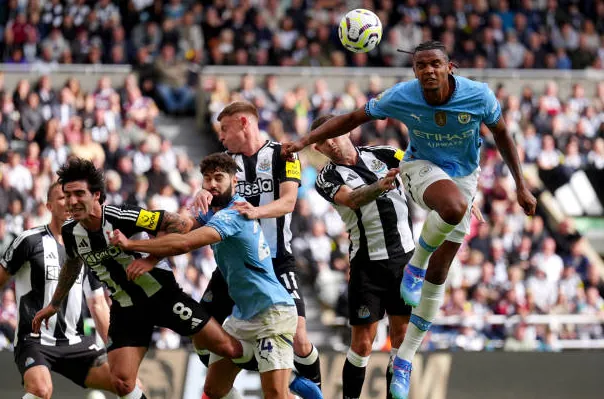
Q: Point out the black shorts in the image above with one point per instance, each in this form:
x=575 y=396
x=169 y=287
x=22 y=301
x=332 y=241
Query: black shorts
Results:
x=219 y=304
x=71 y=361
x=374 y=289
x=170 y=307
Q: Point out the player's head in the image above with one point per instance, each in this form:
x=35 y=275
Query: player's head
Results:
x=431 y=64
x=219 y=177
x=238 y=122
x=55 y=202
x=335 y=149
x=83 y=185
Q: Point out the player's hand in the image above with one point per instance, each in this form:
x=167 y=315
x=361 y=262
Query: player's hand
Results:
x=288 y=149
x=527 y=201
x=246 y=209
x=118 y=239
x=388 y=182
x=43 y=316
x=477 y=213
x=202 y=201
x=140 y=267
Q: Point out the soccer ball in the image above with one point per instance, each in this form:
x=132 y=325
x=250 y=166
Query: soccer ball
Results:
x=360 y=30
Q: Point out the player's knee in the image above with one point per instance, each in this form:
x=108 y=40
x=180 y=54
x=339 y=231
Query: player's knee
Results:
x=453 y=211
x=40 y=390
x=123 y=384
x=214 y=392
x=274 y=392
x=362 y=347
x=302 y=347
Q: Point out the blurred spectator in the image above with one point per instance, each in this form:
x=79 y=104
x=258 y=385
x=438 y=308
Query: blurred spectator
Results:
x=521 y=341
x=172 y=84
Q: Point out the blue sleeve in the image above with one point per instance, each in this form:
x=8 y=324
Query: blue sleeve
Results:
x=492 y=109
x=204 y=218
x=382 y=106
x=227 y=222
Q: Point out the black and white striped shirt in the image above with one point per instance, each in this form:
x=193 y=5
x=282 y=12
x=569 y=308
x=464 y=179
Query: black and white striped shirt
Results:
x=380 y=229
x=259 y=177
x=35 y=259
x=108 y=262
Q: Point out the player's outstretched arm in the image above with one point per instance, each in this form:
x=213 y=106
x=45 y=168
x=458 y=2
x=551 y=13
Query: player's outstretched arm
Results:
x=69 y=274
x=334 y=127
x=506 y=147
x=174 y=223
x=170 y=244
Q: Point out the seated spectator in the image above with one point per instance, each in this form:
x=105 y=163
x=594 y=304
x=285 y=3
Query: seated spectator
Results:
x=521 y=341
x=172 y=83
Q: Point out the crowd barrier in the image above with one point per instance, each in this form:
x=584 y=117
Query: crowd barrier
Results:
x=458 y=375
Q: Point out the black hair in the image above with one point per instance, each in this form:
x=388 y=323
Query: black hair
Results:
x=78 y=169
x=429 y=45
x=218 y=162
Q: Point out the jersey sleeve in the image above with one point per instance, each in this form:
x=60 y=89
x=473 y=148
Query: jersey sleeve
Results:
x=203 y=218
x=391 y=156
x=131 y=219
x=17 y=254
x=492 y=108
x=291 y=170
x=382 y=106
x=328 y=183
x=227 y=222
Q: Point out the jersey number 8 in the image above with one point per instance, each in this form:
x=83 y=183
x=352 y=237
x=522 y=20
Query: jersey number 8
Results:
x=184 y=312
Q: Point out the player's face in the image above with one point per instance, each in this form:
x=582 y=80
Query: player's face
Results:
x=57 y=204
x=221 y=186
x=232 y=132
x=431 y=68
x=335 y=149
x=80 y=201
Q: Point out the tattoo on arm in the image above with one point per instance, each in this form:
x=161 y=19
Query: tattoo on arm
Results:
x=364 y=195
x=174 y=223
x=69 y=274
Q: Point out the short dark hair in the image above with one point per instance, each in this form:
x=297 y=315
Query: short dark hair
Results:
x=78 y=169
x=238 y=107
x=428 y=45
x=321 y=120
x=218 y=162
x=51 y=189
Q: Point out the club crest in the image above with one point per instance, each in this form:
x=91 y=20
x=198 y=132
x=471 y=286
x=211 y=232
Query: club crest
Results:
x=464 y=118
x=264 y=166
x=440 y=118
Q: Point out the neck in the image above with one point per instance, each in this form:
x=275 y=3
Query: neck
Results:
x=348 y=158
x=55 y=228
x=442 y=94
x=93 y=221
x=252 y=145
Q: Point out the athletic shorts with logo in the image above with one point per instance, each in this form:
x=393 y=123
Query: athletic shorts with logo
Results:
x=271 y=333
x=374 y=289
x=71 y=361
x=419 y=174
x=170 y=307
x=219 y=304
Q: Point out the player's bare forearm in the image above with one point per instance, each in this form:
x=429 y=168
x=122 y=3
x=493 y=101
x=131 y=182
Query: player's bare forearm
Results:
x=507 y=148
x=174 y=223
x=364 y=195
x=99 y=310
x=69 y=274
x=288 y=194
x=176 y=244
x=337 y=126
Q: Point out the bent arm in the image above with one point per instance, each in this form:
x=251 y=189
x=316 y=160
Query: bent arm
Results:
x=176 y=244
x=354 y=199
x=288 y=193
x=507 y=148
x=337 y=126
x=69 y=274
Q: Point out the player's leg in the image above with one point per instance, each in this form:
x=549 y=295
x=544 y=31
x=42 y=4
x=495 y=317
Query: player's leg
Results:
x=275 y=383
x=37 y=383
x=433 y=189
x=398 y=327
x=213 y=337
x=220 y=378
x=306 y=355
x=357 y=358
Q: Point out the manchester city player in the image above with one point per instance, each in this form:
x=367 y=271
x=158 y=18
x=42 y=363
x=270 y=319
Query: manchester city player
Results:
x=264 y=313
x=440 y=170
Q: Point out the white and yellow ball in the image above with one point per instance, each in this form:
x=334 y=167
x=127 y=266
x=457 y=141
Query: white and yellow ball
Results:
x=360 y=30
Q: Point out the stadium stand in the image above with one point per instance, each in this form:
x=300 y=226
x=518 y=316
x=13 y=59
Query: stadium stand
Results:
x=509 y=270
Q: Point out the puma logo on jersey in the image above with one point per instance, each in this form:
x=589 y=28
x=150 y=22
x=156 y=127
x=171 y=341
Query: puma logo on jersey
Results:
x=417 y=117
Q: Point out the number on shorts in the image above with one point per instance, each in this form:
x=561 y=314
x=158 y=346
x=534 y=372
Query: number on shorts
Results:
x=266 y=345
x=291 y=284
x=183 y=311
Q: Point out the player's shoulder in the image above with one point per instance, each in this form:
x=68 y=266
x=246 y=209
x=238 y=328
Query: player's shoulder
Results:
x=121 y=212
x=471 y=87
x=377 y=148
x=408 y=87
x=30 y=235
x=329 y=167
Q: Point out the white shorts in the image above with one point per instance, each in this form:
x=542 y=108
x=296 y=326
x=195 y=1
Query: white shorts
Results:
x=272 y=335
x=419 y=174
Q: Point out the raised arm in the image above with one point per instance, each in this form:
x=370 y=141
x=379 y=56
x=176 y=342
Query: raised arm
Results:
x=507 y=148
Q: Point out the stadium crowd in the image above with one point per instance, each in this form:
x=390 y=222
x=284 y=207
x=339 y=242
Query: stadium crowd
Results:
x=509 y=265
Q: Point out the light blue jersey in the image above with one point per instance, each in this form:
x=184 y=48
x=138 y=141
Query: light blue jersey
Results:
x=447 y=135
x=244 y=259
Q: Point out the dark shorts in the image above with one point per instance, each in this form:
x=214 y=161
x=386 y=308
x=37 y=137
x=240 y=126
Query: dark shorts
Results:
x=170 y=307
x=71 y=361
x=374 y=289
x=219 y=304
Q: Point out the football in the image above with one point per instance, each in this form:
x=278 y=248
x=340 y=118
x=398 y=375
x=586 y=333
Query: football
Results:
x=360 y=30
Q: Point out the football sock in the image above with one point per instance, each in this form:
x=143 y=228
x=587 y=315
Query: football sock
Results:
x=137 y=393
x=233 y=394
x=30 y=396
x=421 y=319
x=309 y=366
x=353 y=375
x=434 y=232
